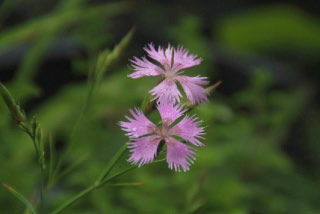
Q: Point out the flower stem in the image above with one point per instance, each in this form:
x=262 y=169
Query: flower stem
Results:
x=104 y=61
x=90 y=189
x=74 y=199
x=117 y=175
x=100 y=181
x=112 y=163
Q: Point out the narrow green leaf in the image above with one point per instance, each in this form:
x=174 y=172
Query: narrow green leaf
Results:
x=146 y=103
x=111 y=178
x=51 y=160
x=213 y=87
x=195 y=206
x=99 y=183
x=118 y=174
x=209 y=89
x=118 y=49
x=20 y=197
x=157 y=161
x=102 y=180
x=69 y=202
x=106 y=59
x=112 y=163
x=39 y=136
x=73 y=166
x=127 y=184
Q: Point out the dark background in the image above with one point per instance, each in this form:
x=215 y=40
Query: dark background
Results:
x=262 y=143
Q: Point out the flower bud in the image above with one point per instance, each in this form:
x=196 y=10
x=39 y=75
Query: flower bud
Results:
x=16 y=112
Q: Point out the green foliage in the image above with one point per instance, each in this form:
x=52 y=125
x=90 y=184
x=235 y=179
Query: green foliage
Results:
x=271 y=28
x=20 y=197
x=261 y=147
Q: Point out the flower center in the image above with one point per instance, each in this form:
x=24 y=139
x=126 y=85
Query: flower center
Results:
x=163 y=131
x=169 y=72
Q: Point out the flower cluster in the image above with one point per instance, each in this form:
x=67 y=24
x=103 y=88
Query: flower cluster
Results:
x=145 y=136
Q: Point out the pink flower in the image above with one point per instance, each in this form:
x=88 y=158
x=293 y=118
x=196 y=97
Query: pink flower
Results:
x=146 y=136
x=172 y=61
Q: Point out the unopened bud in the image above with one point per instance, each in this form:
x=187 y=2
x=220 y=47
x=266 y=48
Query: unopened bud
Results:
x=16 y=112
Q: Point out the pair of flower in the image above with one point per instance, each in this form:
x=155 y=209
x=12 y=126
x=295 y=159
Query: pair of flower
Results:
x=145 y=136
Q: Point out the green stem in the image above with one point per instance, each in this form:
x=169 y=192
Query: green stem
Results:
x=90 y=189
x=112 y=163
x=124 y=172
x=99 y=182
x=74 y=199
x=42 y=173
x=105 y=60
x=21 y=198
x=42 y=187
x=96 y=185
x=33 y=137
x=117 y=175
x=68 y=146
x=51 y=160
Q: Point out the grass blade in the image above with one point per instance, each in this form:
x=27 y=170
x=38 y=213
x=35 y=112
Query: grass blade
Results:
x=127 y=184
x=20 y=197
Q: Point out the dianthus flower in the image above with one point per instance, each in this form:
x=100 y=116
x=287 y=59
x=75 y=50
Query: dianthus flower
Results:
x=172 y=61
x=146 y=136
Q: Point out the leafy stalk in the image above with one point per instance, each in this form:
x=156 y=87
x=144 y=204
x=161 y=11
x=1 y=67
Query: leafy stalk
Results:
x=20 y=197
x=52 y=159
x=32 y=129
x=99 y=182
x=112 y=163
x=17 y=113
x=127 y=184
x=105 y=60
x=74 y=165
x=74 y=199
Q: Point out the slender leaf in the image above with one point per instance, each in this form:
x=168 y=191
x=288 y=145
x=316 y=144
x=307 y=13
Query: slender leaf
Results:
x=20 y=197
x=127 y=184
x=112 y=163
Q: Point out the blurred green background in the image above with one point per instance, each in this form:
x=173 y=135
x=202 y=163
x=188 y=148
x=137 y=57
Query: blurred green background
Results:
x=263 y=122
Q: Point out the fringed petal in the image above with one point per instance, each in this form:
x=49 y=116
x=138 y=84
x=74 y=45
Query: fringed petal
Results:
x=182 y=59
x=144 y=149
x=188 y=129
x=179 y=155
x=166 y=91
x=170 y=112
x=143 y=67
x=137 y=126
x=192 y=87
